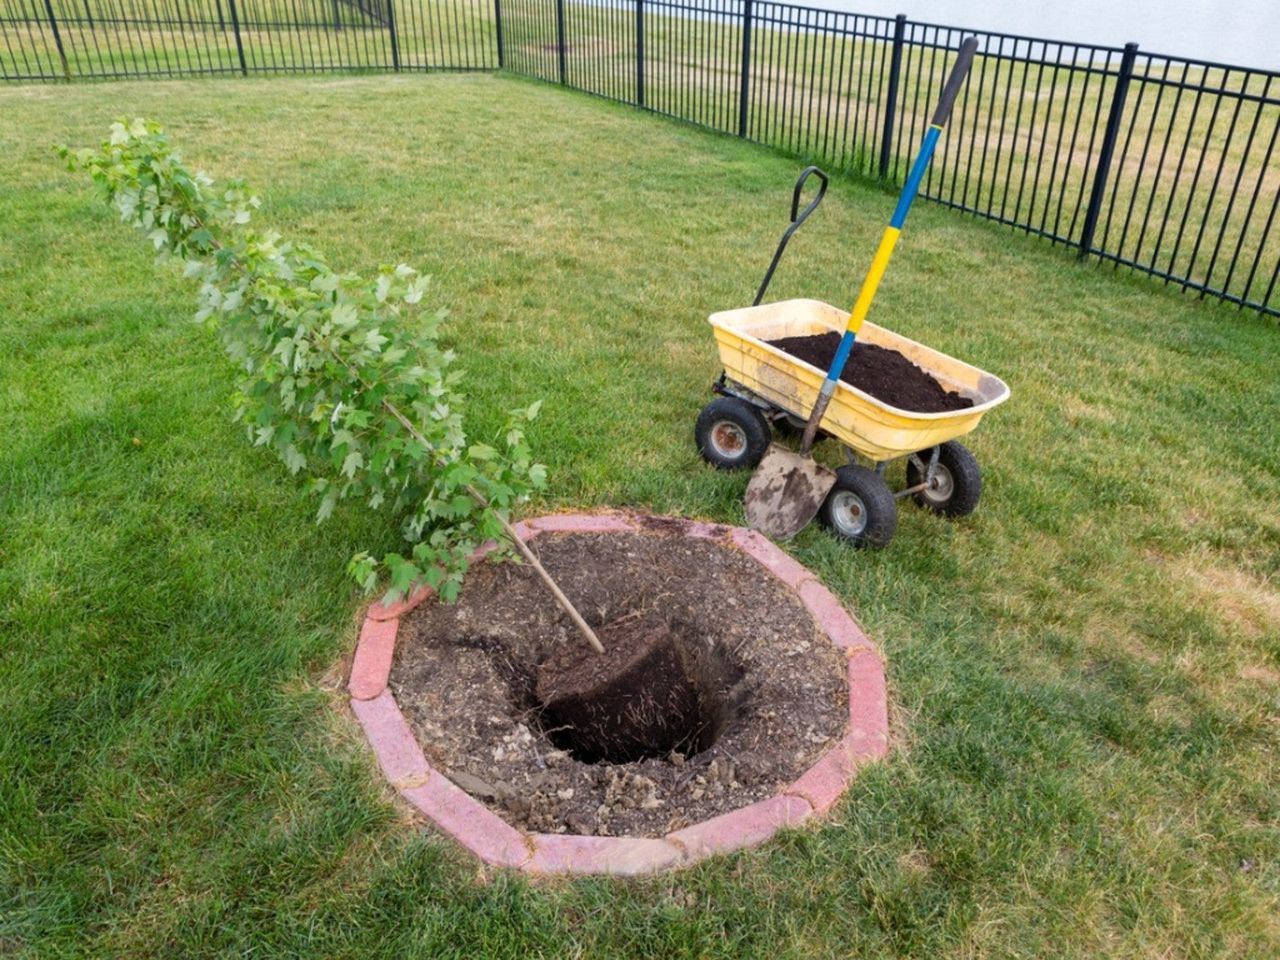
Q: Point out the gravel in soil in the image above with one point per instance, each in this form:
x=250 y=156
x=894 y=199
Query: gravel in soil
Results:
x=768 y=688
x=885 y=374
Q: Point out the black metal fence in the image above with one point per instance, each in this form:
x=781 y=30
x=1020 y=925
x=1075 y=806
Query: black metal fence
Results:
x=70 y=39
x=1161 y=164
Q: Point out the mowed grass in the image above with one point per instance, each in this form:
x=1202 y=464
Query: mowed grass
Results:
x=1188 y=194
x=1085 y=674
x=1022 y=145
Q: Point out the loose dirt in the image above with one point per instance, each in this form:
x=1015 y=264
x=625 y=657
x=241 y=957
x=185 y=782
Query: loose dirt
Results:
x=718 y=688
x=653 y=692
x=885 y=374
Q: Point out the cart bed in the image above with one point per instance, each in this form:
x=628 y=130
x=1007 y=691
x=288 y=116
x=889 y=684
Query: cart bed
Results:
x=871 y=427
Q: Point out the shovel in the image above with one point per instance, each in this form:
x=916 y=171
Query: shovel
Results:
x=788 y=487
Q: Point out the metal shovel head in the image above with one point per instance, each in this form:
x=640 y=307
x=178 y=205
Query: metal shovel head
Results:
x=786 y=492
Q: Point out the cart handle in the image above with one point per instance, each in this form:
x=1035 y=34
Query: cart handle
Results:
x=798 y=217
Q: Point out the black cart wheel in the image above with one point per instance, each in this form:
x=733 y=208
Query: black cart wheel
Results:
x=860 y=508
x=956 y=486
x=731 y=434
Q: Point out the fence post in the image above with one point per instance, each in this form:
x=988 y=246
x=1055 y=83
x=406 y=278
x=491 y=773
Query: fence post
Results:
x=395 y=39
x=497 y=20
x=639 y=53
x=744 y=85
x=1109 y=136
x=891 y=105
x=57 y=40
x=235 y=27
x=560 y=36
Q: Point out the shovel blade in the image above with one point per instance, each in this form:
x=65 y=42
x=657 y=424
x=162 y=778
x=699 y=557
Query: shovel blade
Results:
x=786 y=492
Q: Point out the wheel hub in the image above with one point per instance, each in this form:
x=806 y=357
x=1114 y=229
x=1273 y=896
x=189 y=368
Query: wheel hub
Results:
x=728 y=439
x=848 y=513
x=942 y=486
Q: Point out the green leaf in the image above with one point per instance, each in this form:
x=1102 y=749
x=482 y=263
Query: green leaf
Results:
x=344 y=316
x=364 y=570
x=327 y=503
x=403 y=574
x=293 y=458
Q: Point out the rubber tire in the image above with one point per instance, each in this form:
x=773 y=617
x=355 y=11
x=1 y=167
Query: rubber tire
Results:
x=880 y=509
x=754 y=427
x=966 y=480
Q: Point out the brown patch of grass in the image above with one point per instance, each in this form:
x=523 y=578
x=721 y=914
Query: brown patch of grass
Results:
x=1246 y=605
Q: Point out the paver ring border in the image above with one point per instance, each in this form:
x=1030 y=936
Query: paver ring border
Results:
x=497 y=843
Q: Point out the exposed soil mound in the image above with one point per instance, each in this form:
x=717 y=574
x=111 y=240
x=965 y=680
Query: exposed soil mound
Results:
x=717 y=688
x=653 y=692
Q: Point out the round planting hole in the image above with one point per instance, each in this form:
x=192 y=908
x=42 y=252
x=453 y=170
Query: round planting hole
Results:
x=654 y=692
x=717 y=689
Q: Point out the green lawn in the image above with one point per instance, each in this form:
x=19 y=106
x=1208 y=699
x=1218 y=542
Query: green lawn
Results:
x=1085 y=674
x=1022 y=146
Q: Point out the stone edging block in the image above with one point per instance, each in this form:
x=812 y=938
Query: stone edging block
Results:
x=469 y=822
x=868 y=706
x=623 y=856
x=393 y=742
x=833 y=618
x=744 y=827
x=371 y=666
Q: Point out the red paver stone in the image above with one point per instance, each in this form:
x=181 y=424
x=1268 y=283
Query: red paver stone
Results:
x=824 y=782
x=583 y=523
x=622 y=856
x=832 y=617
x=397 y=751
x=742 y=828
x=524 y=530
x=469 y=822
x=381 y=611
x=778 y=563
x=372 y=664
x=868 y=706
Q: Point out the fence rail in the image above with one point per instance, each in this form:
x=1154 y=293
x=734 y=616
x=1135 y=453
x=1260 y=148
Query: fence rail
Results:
x=105 y=39
x=1160 y=164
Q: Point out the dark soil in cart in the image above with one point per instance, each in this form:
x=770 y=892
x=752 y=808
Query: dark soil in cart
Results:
x=718 y=688
x=885 y=374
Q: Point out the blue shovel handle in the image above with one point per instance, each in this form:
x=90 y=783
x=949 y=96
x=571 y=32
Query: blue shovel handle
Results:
x=890 y=237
